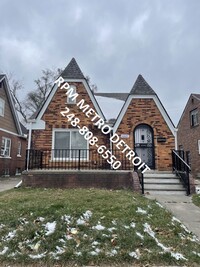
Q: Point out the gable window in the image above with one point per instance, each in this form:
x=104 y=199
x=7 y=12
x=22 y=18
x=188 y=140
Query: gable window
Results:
x=71 y=97
x=194 y=120
x=2 y=107
x=19 y=147
x=68 y=144
x=5 y=147
x=199 y=146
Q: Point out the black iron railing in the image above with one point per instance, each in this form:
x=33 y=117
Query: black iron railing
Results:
x=181 y=168
x=78 y=159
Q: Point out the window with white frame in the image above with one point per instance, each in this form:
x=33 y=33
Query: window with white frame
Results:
x=2 y=107
x=5 y=147
x=194 y=120
x=19 y=147
x=199 y=146
x=68 y=144
x=71 y=97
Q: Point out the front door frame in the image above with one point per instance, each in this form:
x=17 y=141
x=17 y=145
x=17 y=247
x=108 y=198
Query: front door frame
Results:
x=153 y=146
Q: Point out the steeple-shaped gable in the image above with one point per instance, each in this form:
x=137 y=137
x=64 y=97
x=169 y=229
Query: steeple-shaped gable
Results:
x=141 y=87
x=72 y=71
x=72 y=74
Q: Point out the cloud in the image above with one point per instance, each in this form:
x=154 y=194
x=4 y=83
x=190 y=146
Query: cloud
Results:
x=113 y=41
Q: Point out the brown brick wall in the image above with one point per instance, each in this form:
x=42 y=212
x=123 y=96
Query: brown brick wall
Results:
x=145 y=111
x=188 y=136
x=108 y=180
x=14 y=162
x=42 y=139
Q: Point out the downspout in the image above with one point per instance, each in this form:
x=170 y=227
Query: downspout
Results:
x=111 y=145
x=29 y=145
x=176 y=142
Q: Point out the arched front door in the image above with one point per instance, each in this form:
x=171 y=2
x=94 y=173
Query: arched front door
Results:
x=144 y=145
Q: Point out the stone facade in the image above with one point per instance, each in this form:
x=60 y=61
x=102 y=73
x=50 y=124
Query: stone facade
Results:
x=189 y=135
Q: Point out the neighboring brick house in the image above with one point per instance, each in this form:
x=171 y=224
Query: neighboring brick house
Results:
x=188 y=136
x=12 y=134
x=142 y=123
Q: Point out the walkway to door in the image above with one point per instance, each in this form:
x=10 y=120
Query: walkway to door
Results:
x=8 y=183
x=183 y=209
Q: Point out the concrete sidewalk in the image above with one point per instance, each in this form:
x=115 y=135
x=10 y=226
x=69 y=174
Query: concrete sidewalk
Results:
x=183 y=209
x=8 y=183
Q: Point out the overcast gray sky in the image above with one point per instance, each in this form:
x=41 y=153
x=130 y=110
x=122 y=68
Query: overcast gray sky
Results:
x=112 y=40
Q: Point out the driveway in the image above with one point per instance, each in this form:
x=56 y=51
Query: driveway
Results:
x=8 y=183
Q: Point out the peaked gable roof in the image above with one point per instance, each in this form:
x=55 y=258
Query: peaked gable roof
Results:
x=141 y=87
x=4 y=79
x=197 y=97
x=72 y=71
x=1 y=77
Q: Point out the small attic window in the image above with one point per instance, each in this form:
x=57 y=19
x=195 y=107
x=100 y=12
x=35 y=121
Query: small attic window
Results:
x=71 y=98
x=2 y=107
x=194 y=118
x=192 y=100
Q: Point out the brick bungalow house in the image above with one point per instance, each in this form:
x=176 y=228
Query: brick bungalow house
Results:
x=142 y=124
x=12 y=134
x=188 y=135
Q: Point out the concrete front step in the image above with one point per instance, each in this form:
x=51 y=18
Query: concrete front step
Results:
x=157 y=192
x=161 y=181
x=159 y=175
x=157 y=182
x=171 y=187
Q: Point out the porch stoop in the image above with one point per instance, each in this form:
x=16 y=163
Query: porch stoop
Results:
x=162 y=182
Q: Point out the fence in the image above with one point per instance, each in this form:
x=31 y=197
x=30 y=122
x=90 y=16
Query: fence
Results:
x=79 y=159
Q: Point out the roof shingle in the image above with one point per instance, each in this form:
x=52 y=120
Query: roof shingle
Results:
x=141 y=87
x=72 y=71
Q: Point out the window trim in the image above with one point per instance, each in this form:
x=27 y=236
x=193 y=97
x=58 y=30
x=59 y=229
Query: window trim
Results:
x=71 y=102
x=3 y=105
x=198 y=144
x=69 y=158
x=191 y=116
x=6 y=139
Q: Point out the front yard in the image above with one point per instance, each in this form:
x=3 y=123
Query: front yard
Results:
x=89 y=226
x=196 y=199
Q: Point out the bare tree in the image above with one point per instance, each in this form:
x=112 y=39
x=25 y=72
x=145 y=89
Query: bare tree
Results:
x=93 y=86
x=35 y=98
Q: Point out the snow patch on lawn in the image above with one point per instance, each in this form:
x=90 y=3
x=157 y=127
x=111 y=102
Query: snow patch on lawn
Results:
x=98 y=227
x=177 y=256
x=141 y=211
x=50 y=228
x=3 y=252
